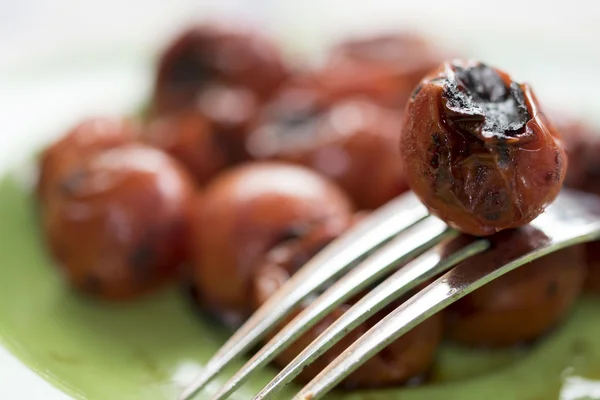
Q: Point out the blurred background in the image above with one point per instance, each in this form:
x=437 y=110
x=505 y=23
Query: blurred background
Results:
x=63 y=59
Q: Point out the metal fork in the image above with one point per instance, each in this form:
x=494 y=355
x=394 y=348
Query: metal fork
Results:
x=396 y=233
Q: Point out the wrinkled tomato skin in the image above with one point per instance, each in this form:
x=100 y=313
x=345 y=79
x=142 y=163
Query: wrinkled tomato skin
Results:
x=479 y=185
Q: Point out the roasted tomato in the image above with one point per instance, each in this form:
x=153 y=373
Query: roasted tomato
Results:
x=523 y=304
x=385 y=67
x=247 y=211
x=216 y=53
x=407 y=358
x=120 y=225
x=582 y=142
x=478 y=150
x=189 y=137
x=82 y=141
x=353 y=142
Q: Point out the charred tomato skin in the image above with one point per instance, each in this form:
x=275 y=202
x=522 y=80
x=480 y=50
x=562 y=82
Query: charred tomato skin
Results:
x=478 y=150
x=211 y=53
x=353 y=142
x=120 y=226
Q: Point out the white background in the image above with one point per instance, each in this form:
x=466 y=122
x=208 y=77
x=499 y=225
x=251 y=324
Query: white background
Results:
x=63 y=59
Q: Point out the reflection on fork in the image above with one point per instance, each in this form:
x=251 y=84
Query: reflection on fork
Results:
x=394 y=234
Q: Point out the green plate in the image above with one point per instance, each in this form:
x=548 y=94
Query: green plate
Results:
x=151 y=348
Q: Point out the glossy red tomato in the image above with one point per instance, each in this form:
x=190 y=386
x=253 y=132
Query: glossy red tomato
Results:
x=216 y=54
x=353 y=142
x=119 y=227
x=84 y=140
x=247 y=211
x=385 y=68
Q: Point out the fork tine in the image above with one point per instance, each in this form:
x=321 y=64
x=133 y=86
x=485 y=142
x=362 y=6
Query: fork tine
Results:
x=447 y=289
x=423 y=268
x=381 y=226
x=405 y=246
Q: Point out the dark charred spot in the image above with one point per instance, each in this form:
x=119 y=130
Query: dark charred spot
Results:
x=293 y=232
x=464 y=150
x=416 y=91
x=295 y=119
x=189 y=69
x=142 y=260
x=480 y=103
x=554 y=174
x=292 y=124
x=73 y=182
x=483 y=83
x=481 y=174
x=495 y=198
x=290 y=121
x=435 y=160
x=493 y=216
x=552 y=289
